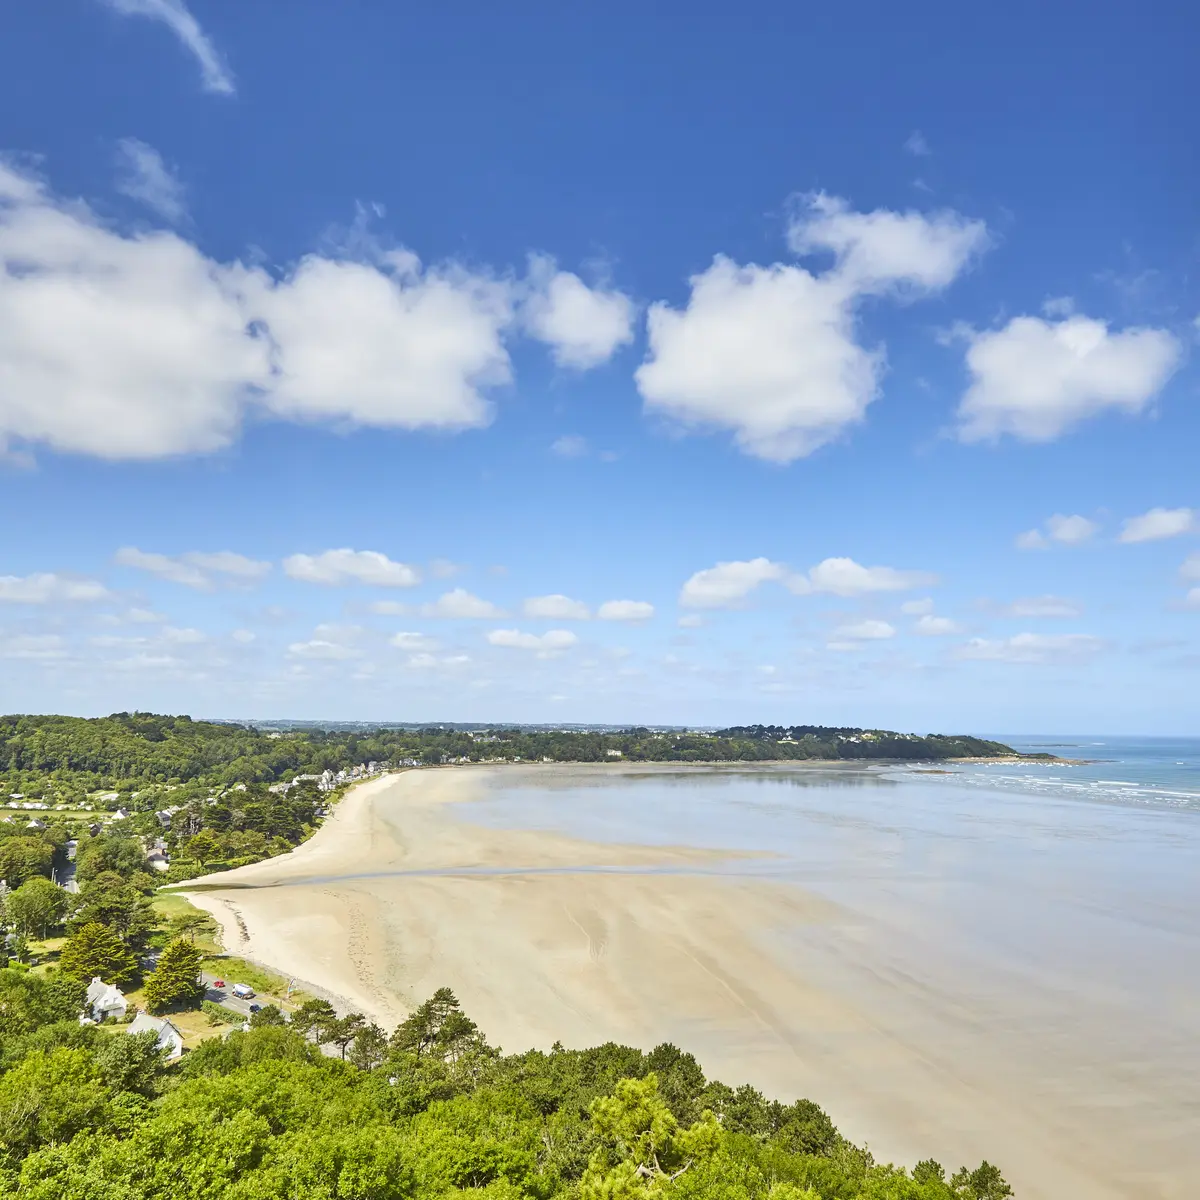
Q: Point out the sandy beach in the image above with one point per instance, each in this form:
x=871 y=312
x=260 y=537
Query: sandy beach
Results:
x=547 y=937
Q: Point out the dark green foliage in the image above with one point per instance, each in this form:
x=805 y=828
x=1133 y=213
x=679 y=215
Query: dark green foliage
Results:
x=27 y=1002
x=175 y=981
x=263 y=1115
x=96 y=950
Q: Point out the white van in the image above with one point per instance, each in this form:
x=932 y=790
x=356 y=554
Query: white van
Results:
x=243 y=991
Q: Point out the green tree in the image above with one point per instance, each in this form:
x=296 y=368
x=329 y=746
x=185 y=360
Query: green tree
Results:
x=49 y=1098
x=204 y=847
x=312 y=1018
x=370 y=1047
x=95 y=950
x=189 y=924
x=131 y=1062
x=984 y=1183
x=342 y=1032
x=269 y=1014
x=438 y=1028
x=36 y=906
x=176 y=978
x=109 y=899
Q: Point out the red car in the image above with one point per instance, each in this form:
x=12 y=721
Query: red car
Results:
x=218 y=983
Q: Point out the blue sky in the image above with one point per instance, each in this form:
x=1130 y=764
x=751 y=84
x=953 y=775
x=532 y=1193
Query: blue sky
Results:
x=601 y=363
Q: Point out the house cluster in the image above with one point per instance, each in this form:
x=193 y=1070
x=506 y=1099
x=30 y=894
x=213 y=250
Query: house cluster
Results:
x=106 y=1001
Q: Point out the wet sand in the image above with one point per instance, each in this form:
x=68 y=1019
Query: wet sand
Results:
x=548 y=937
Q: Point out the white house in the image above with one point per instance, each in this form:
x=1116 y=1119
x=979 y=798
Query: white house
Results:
x=105 y=1000
x=169 y=1038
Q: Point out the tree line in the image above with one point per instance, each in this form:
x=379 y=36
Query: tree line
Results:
x=430 y=1111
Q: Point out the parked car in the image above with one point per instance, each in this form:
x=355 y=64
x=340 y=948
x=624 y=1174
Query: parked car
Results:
x=218 y=983
x=243 y=991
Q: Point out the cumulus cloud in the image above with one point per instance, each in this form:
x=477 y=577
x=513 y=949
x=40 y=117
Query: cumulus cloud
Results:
x=771 y=352
x=625 y=610
x=884 y=251
x=195 y=569
x=49 y=588
x=460 y=604
x=175 y=15
x=548 y=644
x=931 y=626
x=323 y=648
x=1042 y=606
x=584 y=326
x=1034 y=648
x=1035 y=378
x=867 y=630
x=570 y=445
x=556 y=608
x=1157 y=524
x=845 y=577
x=97 y=326
x=413 y=641
x=345 y=566
x=1065 y=530
x=916 y=144
x=38 y=647
x=144 y=177
x=917 y=608
x=728 y=583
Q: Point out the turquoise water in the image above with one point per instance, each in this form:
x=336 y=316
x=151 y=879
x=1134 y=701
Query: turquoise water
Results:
x=1157 y=772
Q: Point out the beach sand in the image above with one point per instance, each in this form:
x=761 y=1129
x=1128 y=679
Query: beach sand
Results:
x=547 y=938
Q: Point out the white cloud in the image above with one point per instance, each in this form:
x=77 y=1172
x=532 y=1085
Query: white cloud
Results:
x=1066 y=530
x=1158 y=523
x=625 y=610
x=845 y=577
x=413 y=641
x=33 y=646
x=460 y=604
x=884 y=251
x=96 y=327
x=390 y=345
x=1192 y=599
x=917 y=608
x=931 y=626
x=144 y=177
x=1034 y=648
x=916 y=144
x=868 y=630
x=174 y=14
x=548 y=644
x=690 y=621
x=583 y=325
x=728 y=583
x=145 y=616
x=194 y=569
x=48 y=588
x=1191 y=567
x=345 y=566
x=322 y=648
x=389 y=608
x=182 y=637
x=1042 y=606
x=771 y=352
x=569 y=446
x=243 y=637
x=1035 y=378
x=556 y=608
x=443 y=568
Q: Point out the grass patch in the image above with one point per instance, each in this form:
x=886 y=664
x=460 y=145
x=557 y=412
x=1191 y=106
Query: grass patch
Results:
x=168 y=905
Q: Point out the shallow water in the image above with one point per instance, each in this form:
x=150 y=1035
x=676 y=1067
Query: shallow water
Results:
x=1034 y=937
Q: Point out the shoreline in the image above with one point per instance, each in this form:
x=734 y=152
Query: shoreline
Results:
x=546 y=937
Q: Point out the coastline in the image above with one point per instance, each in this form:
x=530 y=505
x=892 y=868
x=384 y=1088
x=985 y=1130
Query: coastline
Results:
x=546 y=937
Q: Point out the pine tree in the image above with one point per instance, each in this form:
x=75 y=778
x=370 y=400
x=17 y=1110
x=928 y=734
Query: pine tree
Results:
x=96 y=950
x=176 y=979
